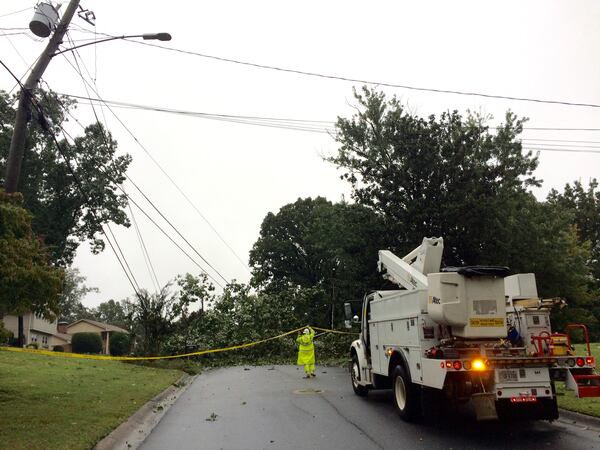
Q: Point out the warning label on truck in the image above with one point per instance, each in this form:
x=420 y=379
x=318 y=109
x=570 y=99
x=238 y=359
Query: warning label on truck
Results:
x=487 y=322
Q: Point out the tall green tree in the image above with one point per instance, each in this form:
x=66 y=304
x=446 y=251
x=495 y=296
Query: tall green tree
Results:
x=437 y=176
x=314 y=243
x=28 y=281
x=584 y=204
x=193 y=290
x=111 y=312
x=64 y=213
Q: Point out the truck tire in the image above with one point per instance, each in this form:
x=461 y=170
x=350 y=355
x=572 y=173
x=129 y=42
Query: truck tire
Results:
x=358 y=389
x=406 y=395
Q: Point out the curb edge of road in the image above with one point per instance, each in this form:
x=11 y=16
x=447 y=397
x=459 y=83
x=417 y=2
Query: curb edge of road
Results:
x=575 y=418
x=133 y=432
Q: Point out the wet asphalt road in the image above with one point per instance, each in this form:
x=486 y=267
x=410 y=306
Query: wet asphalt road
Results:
x=274 y=408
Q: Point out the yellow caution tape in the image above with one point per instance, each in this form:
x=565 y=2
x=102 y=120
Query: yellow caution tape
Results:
x=327 y=330
x=149 y=358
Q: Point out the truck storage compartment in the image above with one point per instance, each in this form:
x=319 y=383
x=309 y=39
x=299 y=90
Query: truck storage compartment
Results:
x=473 y=306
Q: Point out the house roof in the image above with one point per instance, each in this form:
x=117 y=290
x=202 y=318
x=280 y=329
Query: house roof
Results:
x=103 y=326
x=63 y=336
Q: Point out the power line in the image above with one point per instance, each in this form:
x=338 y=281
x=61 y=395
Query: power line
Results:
x=130 y=199
x=271 y=122
x=568 y=150
x=16 y=12
x=29 y=66
x=123 y=264
x=359 y=80
x=123 y=256
x=299 y=124
x=166 y=109
x=567 y=144
x=562 y=140
x=145 y=253
x=172 y=181
x=146 y=197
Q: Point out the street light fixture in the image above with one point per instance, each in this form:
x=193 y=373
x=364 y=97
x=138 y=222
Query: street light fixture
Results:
x=146 y=37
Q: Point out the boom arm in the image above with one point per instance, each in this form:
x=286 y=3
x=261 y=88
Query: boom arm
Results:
x=411 y=271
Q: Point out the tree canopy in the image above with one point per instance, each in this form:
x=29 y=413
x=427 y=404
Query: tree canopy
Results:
x=67 y=209
x=441 y=176
x=28 y=282
x=317 y=244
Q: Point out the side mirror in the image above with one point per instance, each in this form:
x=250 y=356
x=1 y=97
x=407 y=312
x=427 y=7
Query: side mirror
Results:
x=348 y=310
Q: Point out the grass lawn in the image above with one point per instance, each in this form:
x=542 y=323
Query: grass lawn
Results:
x=58 y=403
x=590 y=406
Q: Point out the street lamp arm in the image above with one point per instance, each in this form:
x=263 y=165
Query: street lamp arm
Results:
x=147 y=36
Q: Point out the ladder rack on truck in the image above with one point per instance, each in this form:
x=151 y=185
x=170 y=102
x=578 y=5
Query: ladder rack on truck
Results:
x=464 y=334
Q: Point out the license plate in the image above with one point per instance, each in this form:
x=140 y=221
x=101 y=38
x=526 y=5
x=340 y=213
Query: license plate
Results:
x=507 y=375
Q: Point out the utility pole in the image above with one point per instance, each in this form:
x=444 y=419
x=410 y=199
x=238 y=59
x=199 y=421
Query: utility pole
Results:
x=17 y=143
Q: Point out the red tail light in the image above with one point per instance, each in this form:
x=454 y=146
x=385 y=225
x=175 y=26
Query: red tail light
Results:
x=457 y=365
x=580 y=362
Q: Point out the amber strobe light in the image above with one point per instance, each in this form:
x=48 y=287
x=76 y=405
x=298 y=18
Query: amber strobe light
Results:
x=478 y=364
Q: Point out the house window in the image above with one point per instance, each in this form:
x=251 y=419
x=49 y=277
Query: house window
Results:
x=45 y=339
x=34 y=337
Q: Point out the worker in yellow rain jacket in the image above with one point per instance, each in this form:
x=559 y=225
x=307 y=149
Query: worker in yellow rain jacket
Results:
x=306 y=351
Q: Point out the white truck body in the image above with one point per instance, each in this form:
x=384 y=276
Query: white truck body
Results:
x=445 y=336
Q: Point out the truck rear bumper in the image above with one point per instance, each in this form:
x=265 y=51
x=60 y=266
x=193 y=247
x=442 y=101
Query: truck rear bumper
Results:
x=541 y=409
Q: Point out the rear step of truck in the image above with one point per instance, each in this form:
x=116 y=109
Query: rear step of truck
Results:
x=584 y=385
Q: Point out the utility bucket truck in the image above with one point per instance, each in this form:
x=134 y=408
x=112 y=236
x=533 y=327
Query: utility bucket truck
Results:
x=464 y=334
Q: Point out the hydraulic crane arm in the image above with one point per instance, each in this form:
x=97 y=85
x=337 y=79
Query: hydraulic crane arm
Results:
x=411 y=271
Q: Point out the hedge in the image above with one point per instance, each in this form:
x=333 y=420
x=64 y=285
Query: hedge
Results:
x=87 y=343
x=119 y=344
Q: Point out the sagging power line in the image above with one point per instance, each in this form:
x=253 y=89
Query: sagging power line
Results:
x=159 y=166
x=78 y=70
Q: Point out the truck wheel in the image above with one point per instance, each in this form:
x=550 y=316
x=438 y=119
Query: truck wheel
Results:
x=359 y=390
x=406 y=395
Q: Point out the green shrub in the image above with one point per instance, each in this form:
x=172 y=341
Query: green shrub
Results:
x=5 y=335
x=119 y=344
x=58 y=348
x=33 y=345
x=87 y=343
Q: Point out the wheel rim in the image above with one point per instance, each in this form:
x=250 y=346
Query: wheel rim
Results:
x=400 y=393
x=355 y=374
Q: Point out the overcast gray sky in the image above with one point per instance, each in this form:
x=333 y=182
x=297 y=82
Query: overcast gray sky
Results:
x=236 y=173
